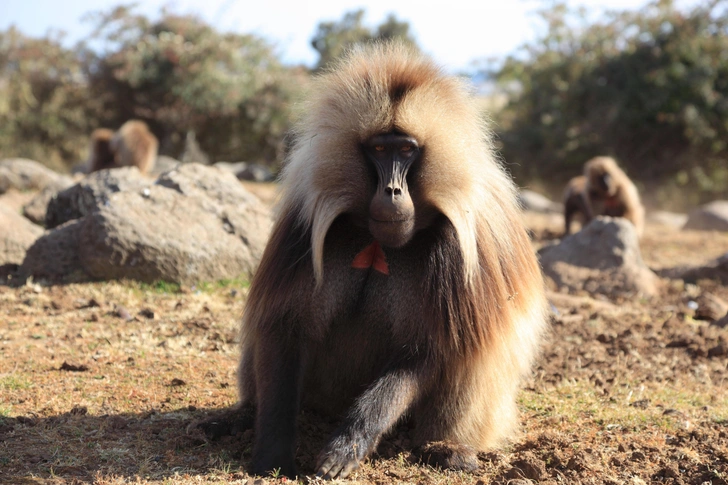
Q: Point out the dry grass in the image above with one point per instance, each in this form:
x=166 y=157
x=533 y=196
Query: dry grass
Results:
x=100 y=381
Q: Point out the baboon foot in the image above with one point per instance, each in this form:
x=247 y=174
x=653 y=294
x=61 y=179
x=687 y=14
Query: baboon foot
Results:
x=448 y=455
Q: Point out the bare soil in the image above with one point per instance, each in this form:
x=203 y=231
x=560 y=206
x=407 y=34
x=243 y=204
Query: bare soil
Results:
x=100 y=382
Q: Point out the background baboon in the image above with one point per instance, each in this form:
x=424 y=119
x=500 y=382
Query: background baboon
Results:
x=100 y=154
x=398 y=280
x=135 y=145
x=576 y=203
x=132 y=145
x=611 y=193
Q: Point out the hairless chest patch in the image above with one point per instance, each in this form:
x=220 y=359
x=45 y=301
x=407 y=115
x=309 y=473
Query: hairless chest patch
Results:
x=371 y=256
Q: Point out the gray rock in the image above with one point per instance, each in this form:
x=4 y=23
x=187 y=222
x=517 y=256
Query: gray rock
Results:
x=535 y=202
x=666 y=218
x=55 y=255
x=603 y=258
x=168 y=236
x=164 y=164
x=91 y=193
x=233 y=167
x=256 y=173
x=36 y=209
x=17 y=234
x=195 y=223
x=23 y=174
x=192 y=152
x=709 y=217
x=205 y=182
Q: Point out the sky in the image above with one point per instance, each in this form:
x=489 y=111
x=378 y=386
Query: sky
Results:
x=455 y=32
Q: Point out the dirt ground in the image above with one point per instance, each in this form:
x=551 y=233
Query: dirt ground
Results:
x=99 y=383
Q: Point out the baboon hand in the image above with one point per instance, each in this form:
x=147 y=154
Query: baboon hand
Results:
x=340 y=457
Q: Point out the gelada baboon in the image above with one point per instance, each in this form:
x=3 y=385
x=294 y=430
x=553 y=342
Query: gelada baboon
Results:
x=100 y=155
x=132 y=145
x=398 y=280
x=607 y=191
x=576 y=203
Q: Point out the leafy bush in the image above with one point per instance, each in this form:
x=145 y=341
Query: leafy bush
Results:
x=45 y=113
x=180 y=74
x=177 y=73
x=649 y=87
x=332 y=39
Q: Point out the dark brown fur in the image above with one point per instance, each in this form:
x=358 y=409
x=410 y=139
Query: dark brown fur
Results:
x=447 y=335
x=132 y=145
x=100 y=154
x=576 y=203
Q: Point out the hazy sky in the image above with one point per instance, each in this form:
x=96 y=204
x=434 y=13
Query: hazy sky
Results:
x=454 y=32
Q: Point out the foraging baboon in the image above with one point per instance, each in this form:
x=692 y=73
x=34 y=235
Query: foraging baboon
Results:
x=398 y=280
x=132 y=145
x=100 y=154
x=612 y=193
x=576 y=203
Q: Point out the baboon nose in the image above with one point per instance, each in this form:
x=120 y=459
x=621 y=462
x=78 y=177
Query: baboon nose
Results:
x=394 y=192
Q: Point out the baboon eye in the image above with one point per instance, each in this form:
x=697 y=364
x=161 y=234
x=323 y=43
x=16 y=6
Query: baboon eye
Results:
x=379 y=148
x=406 y=148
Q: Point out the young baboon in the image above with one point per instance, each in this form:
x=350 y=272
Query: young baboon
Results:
x=611 y=193
x=398 y=280
x=100 y=154
x=576 y=203
x=132 y=145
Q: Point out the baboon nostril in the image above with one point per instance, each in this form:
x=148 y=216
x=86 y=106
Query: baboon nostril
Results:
x=388 y=190
x=397 y=191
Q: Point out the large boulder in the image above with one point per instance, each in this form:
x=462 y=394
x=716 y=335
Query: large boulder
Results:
x=36 y=209
x=602 y=258
x=195 y=223
x=17 y=234
x=535 y=202
x=55 y=255
x=709 y=217
x=91 y=193
x=163 y=164
x=24 y=174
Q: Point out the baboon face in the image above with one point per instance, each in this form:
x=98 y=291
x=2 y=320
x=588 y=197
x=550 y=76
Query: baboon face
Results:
x=602 y=184
x=391 y=210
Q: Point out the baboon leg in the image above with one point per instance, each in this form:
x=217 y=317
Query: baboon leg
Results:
x=569 y=212
x=278 y=368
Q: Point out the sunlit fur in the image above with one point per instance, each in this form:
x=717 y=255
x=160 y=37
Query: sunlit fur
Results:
x=135 y=145
x=622 y=200
x=132 y=145
x=482 y=312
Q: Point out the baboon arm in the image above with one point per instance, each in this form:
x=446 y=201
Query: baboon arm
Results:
x=586 y=208
x=278 y=389
x=373 y=414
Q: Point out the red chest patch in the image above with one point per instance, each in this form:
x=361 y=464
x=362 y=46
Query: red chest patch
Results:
x=371 y=256
x=611 y=203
